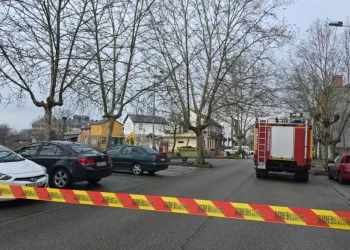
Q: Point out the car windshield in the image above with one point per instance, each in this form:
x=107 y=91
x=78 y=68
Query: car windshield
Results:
x=150 y=151
x=7 y=155
x=82 y=149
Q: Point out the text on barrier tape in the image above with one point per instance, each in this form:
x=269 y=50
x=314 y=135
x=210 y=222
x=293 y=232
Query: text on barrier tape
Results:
x=224 y=209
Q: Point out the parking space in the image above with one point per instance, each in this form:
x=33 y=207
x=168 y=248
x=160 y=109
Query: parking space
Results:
x=342 y=191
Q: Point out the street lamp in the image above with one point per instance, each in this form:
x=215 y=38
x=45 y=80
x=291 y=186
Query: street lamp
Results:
x=338 y=24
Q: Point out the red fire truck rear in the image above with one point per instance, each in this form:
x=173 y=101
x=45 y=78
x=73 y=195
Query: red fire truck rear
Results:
x=283 y=146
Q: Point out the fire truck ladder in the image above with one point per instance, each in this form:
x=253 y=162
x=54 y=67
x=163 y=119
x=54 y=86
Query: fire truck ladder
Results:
x=262 y=135
x=306 y=142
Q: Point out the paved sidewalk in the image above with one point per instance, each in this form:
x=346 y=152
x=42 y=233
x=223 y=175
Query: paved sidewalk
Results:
x=318 y=169
x=176 y=170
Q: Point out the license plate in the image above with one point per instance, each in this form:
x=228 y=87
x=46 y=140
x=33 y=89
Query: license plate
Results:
x=101 y=164
x=162 y=159
x=261 y=166
x=35 y=184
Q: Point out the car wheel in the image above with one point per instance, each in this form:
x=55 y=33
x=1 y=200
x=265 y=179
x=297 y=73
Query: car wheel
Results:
x=330 y=176
x=228 y=154
x=340 y=178
x=61 y=178
x=265 y=174
x=94 y=181
x=136 y=169
x=151 y=172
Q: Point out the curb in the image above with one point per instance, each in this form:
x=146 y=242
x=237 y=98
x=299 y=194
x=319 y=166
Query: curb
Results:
x=319 y=172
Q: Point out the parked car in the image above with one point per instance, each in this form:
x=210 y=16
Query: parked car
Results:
x=137 y=159
x=232 y=151
x=340 y=168
x=17 y=171
x=68 y=162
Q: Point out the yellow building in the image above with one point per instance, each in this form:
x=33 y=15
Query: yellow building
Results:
x=99 y=131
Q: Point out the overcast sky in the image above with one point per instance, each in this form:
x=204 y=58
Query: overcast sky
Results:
x=302 y=14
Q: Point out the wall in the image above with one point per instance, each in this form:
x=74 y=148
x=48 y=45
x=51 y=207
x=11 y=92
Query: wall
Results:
x=146 y=128
x=96 y=130
x=128 y=127
x=117 y=130
x=102 y=129
x=190 y=137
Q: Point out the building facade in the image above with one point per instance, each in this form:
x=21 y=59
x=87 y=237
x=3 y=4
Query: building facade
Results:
x=59 y=126
x=142 y=127
x=99 y=131
x=212 y=135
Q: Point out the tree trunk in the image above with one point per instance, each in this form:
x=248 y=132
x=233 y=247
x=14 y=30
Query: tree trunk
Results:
x=110 y=132
x=231 y=137
x=332 y=151
x=320 y=150
x=174 y=139
x=200 y=154
x=239 y=140
x=325 y=156
x=316 y=151
x=47 y=119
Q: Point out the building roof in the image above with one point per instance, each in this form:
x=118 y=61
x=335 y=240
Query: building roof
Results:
x=73 y=132
x=145 y=119
x=102 y=122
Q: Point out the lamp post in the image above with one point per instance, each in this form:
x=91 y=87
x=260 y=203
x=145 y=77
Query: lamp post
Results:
x=338 y=24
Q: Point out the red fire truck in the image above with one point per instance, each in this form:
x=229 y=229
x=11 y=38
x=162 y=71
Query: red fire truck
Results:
x=283 y=146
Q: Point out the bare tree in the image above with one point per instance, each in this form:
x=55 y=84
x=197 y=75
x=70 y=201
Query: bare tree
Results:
x=250 y=93
x=208 y=38
x=38 y=56
x=117 y=75
x=315 y=82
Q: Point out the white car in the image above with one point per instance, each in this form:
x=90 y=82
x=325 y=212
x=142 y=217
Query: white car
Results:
x=17 y=171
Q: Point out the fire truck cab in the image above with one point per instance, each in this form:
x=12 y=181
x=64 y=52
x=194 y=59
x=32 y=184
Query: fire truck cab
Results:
x=283 y=145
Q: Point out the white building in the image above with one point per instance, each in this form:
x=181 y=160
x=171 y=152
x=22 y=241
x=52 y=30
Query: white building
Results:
x=142 y=127
x=212 y=135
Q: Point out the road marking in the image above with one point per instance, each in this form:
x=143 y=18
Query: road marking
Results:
x=222 y=209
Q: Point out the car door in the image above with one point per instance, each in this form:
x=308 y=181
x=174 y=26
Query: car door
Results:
x=29 y=151
x=137 y=155
x=114 y=153
x=48 y=155
x=336 y=165
x=346 y=164
x=126 y=158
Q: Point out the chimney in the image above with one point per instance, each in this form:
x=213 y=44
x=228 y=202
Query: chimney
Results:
x=337 y=81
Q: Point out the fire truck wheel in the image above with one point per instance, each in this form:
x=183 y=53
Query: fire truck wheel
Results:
x=302 y=176
x=265 y=174
x=258 y=175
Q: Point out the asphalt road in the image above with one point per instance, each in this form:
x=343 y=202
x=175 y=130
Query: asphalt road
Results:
x=28 y=224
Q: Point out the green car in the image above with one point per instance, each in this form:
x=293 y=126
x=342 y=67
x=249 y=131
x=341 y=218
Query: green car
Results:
x=136 y=159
